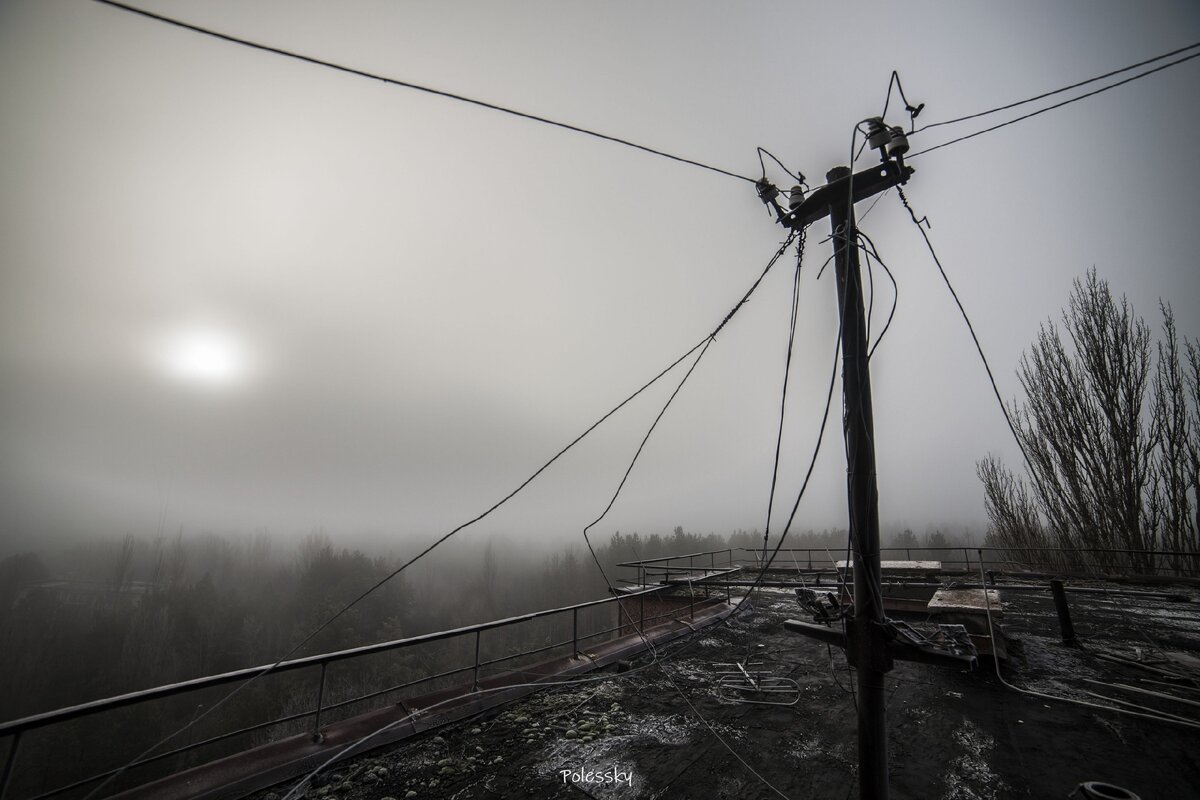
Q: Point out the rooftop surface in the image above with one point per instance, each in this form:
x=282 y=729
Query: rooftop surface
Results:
x=663 y=729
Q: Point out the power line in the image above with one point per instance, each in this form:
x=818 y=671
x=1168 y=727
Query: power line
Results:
x=812 y=463
x=1017 y=438
x=612 y=589
x=418 y=87
x=967 y=319
x=624 y=478
x=912 y=111
x=1056 y=105
x=872 y=252
x=707 y=340
x=1055 y=91
x=787 y=368
x=797 y=177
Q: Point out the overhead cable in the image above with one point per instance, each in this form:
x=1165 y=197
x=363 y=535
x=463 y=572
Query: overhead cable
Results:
x=787 y=369
x=345 y=608
x=912 y=110
x=920 y=225
x=1056 y=105
x=796 y=176
x=418 y=87
x=1044 y=95
x=637 y=628
x=872 y=252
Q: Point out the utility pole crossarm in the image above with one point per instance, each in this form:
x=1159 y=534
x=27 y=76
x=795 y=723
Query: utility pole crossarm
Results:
x=867 y=183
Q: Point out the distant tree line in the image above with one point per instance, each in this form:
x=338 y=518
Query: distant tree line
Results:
x=108 y=617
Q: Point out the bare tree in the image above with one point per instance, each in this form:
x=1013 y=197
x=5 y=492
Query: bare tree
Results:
x=1193 y=439
x=1106 y=469
x=1011 y=509
x=1172 y=474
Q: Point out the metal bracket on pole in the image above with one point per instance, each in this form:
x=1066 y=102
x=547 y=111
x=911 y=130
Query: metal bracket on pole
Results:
x=867 y=183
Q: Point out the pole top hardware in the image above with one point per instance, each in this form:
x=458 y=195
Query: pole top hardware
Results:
x=865 y=183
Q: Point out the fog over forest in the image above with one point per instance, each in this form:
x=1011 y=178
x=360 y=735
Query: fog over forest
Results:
x=271 y=327
x=156 y=610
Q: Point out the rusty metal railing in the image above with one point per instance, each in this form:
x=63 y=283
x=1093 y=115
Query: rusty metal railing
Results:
x=16 y=729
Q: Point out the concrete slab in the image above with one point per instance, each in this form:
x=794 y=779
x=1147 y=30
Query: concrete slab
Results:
x=966 y=600
x=900 y=567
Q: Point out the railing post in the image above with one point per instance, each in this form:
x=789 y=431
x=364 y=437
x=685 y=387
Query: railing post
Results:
x=316 y=736
x=641 y=612
x=475 y=673
x=9 y=762
x=575 y=631
x=908 y=554
x=1064 y=612
x=967 y=559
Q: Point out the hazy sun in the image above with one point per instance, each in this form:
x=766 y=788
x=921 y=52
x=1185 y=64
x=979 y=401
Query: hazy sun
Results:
x=204 y=355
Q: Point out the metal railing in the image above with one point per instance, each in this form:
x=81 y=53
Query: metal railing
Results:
x=1094 y=559
x=16 y=729
x=649 y=566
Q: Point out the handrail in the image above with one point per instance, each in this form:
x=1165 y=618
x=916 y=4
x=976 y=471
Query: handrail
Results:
x=985 y=548
x=1180 y=563
x=43 y=720
x=168 y=690
x=673 y=558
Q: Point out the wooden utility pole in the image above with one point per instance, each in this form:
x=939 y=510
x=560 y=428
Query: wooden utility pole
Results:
x=867 y=647
x=871 y=656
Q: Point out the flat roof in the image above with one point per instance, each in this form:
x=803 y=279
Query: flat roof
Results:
x=951 y=732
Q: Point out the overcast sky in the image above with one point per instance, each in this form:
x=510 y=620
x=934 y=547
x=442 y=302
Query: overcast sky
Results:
x=238 y=291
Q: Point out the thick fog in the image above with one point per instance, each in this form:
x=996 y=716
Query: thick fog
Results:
x=241 y=292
